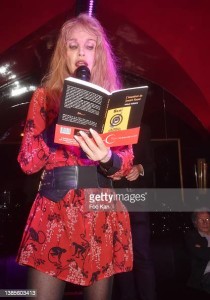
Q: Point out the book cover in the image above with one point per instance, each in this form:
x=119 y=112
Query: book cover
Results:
x=115 y=116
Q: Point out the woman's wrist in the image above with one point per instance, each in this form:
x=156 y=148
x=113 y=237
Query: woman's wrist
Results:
x=112 y=166
x=107 y=157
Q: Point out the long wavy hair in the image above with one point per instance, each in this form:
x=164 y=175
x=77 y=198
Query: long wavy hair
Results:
x=104 y=71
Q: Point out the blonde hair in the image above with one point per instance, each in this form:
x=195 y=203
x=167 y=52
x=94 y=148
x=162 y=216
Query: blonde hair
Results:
x=104 y=71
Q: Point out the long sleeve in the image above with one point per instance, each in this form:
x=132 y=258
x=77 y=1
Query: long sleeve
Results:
x=34 y=152
x=38 y=151
x=121 y=162
x=126 y=155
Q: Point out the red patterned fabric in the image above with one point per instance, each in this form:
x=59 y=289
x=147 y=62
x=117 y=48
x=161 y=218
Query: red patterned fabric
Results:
x=63 y=239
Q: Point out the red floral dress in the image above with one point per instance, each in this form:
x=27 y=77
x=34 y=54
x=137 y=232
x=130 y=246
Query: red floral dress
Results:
x=63 y=239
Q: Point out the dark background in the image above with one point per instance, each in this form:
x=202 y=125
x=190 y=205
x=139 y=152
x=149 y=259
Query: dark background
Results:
x=162 y=43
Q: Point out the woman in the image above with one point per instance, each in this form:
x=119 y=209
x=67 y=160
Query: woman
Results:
x=62 y=241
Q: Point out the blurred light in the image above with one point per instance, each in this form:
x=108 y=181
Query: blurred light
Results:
x=12 y=76
x=17 y=83
x=19 y=104
x=21 y=90
x=90 y=9
x=16 y=92
x=4 y=69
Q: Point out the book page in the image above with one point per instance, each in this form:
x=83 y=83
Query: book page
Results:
x=82 y=107
x=88 y=84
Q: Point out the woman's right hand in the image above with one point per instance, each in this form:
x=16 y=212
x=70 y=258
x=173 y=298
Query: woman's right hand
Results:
x=94 y=147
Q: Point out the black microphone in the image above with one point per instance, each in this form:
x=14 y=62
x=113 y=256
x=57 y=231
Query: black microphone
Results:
x=82 y=72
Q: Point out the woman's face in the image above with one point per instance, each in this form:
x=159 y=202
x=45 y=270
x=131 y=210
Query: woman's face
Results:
x=81 y=46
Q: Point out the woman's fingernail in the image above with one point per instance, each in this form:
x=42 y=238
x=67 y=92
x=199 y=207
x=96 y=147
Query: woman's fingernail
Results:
x=82 y=132
x=91 y=130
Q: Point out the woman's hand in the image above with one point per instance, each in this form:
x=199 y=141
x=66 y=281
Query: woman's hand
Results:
x=134 y=172
x=94 y=148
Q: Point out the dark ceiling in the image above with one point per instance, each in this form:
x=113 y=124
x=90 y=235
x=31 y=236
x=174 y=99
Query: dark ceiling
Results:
x=163 y=42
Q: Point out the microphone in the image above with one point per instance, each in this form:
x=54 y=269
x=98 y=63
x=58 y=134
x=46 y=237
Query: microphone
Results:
x=82 y=72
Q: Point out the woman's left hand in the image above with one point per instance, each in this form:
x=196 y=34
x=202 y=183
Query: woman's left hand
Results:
x=94 y=148
x=134 y=172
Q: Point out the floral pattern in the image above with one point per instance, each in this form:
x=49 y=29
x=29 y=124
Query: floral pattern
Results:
x=63 y=239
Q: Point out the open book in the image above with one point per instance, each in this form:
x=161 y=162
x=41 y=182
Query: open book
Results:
x=115 y=116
